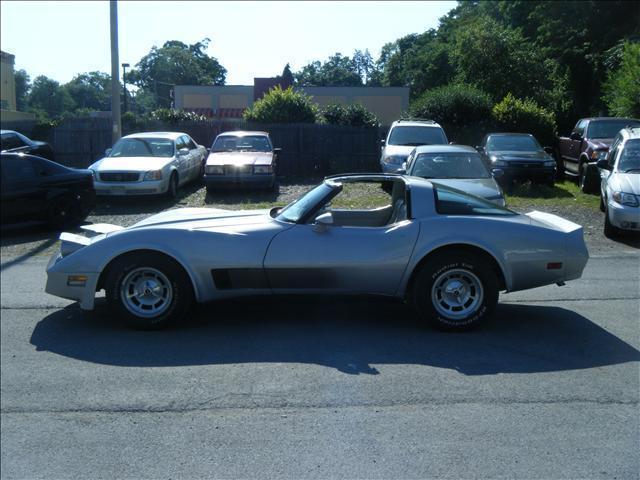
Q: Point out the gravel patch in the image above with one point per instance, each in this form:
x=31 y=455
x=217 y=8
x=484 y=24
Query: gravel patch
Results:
x=36 y=240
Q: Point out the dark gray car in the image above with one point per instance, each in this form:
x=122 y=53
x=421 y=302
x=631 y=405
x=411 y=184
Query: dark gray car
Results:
x=520 y=156
x=457 y=166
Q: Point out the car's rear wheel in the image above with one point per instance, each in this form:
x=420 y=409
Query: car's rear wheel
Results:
x=455 y=291
x=148 y=290
x=64 y=212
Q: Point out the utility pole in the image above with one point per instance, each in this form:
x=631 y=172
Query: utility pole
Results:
x=116 y=131
x=124 y=85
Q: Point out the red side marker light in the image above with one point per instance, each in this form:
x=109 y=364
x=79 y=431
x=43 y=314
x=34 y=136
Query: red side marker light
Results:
x=554 y=266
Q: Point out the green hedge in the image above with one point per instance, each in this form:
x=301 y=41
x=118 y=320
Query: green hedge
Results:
x=282 y=106
x=354 y=115
x=453 y=106
x=526 y=116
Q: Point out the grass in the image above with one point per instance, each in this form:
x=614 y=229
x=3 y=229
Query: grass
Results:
x=562 y=194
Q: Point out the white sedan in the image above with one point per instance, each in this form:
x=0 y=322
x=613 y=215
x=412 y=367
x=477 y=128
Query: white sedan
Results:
x=149 y=163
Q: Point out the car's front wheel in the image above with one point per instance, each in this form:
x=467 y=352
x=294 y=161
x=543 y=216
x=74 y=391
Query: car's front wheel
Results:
x=455 y=291
x=148 y=290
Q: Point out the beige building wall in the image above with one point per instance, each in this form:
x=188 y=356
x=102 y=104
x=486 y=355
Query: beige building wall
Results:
x=387 y=108
x=197 y=101
x=7 y=82
x=324 y=100
x=233 y=101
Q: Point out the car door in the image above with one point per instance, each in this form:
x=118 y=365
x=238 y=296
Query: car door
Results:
x=195 y=159
x=575 y=147
x=182 y=161
x=317 y=258
x=22 y=192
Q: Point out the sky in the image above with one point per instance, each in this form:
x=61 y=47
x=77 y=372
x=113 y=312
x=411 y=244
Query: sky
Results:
x=250 y=39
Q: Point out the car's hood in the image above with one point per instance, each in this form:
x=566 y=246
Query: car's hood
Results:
x=197 y=218
x=399 y=150
x=480 y=187
x=625 y=182
x=130 y=164
x=601 y=142
x=240 y=158
x=538 y=155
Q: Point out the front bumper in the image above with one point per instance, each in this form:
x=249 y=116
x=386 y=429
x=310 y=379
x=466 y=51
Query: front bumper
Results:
x=528 y=172
x=154 y=187
x=57 y=284
x=248 y=180
x=624 y=217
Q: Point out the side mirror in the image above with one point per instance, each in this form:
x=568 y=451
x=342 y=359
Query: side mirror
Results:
x=107 y=152
x=575 y=136
x=322 y=222
x=277 y=150
x=274 y=211
x=548 y=150
x=452 y=143
x=383 y=143
x=604 y=164
x=208 y=151
x=497 y=172
x=402 y=170
x=183 y=151
x=480 y=148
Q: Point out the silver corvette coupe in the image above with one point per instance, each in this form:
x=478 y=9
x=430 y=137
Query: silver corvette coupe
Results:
x=444 y=251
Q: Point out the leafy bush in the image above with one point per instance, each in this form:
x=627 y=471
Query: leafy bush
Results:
x=453 y=106
x=622 y=87
x=354 y=115
x=282 y=106
x=173 y=116
x=515 y=115
x=132 y=122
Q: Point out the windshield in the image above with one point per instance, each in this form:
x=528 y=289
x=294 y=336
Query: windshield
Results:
x=299 y=208
x=244 y=143
x=449 y=165
x=630 y=157
x=415 y=136
x=512 y=143
x=608 y=128
x=143 y=147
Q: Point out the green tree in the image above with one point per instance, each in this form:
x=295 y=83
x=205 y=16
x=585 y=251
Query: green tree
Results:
x=91 y=91
x=282 y=106
x=355 y=115
x=176 y=63
x=454 y=106
x=364 y=65
x=48 y=98
x=338 y=70
x=622 y=87
x=23 y=85
x=287 y=75
x=517 y=115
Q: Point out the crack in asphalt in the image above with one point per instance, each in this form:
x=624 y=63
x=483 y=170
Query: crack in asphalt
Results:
x=155 y=410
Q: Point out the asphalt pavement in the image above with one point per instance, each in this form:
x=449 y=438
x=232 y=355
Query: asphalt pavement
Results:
x=325 y=388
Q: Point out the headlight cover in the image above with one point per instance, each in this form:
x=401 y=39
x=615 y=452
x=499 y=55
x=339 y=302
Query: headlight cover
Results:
x=497 y=161
x=628 y=199
x=262 y=169
x=214 y=170
x=599 y=154
x=153 y=175
x=549 y=163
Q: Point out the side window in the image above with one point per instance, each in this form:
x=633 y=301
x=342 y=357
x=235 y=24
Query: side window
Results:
x=180 y=143
x=613 y=151
x=580 y=126
x=17 y=169
x=10 y=141
x=453 y=202
x=191 y=145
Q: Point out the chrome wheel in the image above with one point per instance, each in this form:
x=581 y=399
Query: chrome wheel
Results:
x=146 y=292
x=456 y=294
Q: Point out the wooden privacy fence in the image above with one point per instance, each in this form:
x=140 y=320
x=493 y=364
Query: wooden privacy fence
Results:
x=307 y=149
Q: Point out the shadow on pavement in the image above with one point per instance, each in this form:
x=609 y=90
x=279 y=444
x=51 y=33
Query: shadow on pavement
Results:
x=350 y=335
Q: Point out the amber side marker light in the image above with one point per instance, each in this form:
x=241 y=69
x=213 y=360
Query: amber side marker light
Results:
x=76 y=280
x=554 y=266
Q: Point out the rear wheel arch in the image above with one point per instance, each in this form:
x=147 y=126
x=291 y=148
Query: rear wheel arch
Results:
x=455 y=248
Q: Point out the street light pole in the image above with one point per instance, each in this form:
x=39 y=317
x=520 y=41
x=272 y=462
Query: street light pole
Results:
x=116 y=130
x=124 y=84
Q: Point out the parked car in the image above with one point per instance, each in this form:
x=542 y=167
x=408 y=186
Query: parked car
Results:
x=242 y=158
x=153 y=163
x=457 y=166
x=589 y=142
x=442 y=250
x=37 y=189
x=520 y=156
x=403 y=137
x=620 y=183
x=15 y=142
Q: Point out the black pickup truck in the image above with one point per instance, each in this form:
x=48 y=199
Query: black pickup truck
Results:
x=589 y=142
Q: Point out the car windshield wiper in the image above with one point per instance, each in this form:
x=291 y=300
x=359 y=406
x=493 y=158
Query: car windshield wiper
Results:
x=412 y=144
x=629 y=170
